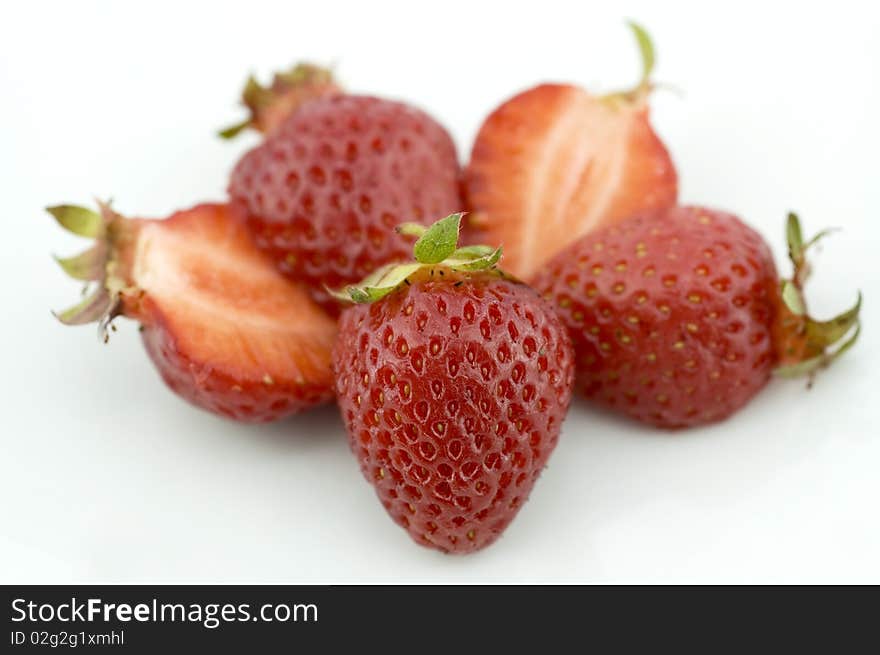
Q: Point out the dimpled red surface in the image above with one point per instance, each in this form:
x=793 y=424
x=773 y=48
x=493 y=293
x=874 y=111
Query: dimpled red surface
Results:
x=324 y=193
x=453 y=393
x=671 y=315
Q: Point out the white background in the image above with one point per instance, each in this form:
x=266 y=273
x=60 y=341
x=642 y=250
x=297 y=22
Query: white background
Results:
x=106 y=476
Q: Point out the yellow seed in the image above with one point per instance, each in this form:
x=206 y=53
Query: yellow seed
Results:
x=695 y=298
x=705 y=220
x=605 y=346
x=692 y=327
x=641 y=299
x=664 y=308
x=594 y=329
x=662 y=398
x=620 y=267
x=652 y=357
x=633 y=319
x=471 y=535
x=678 y=345
x=597 y=269
x=715 y=375
x=267 y=379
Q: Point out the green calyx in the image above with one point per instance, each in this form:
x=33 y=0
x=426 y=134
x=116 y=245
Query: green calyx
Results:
x=648 y=59
x=818 y=343
x=436 y=246
x=95 y=266
x=298 y=84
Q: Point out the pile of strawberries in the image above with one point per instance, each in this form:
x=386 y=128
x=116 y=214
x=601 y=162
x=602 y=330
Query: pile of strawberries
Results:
x=343 y=265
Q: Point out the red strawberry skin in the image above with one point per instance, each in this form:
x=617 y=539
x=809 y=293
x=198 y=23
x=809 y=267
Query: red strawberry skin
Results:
x=555 y=162
x=671 y=315
x=323 y=190
x=224 y=329
x=453 y=391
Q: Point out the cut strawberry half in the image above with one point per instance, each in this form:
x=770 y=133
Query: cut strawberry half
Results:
x=225 y=330
x=555 y=162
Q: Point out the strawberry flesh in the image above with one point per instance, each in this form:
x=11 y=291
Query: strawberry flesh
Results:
x=224 y=329
x=554 y=163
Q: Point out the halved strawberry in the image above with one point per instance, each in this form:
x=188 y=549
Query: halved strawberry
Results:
x=555 y=162
x=225 y=330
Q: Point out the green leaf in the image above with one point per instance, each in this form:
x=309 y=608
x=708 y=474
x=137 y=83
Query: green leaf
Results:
x=815 y=364
x=88 y=265
x=255 y=95
x=411 y=229
x=391 y=277
x=646 y=50
x=89 y=310
x=794 y=237
x=829 y=332
x=472 y=252
x=79 y=220
x=478 y=264
x=793 y=298
x=824 y=233
x=234 y=130
x=439 y=241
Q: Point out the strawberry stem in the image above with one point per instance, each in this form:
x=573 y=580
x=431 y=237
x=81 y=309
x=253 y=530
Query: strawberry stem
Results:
x=268 y=106
x=819 y=343
x=95 y=265
x=648 y=59
x=436 y=246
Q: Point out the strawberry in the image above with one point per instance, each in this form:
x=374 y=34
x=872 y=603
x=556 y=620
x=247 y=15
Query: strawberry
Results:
x=679 y=319
x=556 y=161
x=453 y=381
x=323 y=189
x=226 y=332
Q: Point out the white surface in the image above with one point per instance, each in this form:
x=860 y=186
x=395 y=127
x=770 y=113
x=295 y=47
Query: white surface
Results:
x=106 y=476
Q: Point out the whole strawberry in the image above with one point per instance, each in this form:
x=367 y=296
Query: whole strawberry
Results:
x=224 y=329
x=678 y=319
x=556 y=161
x=324 y=189
x=453 y=381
